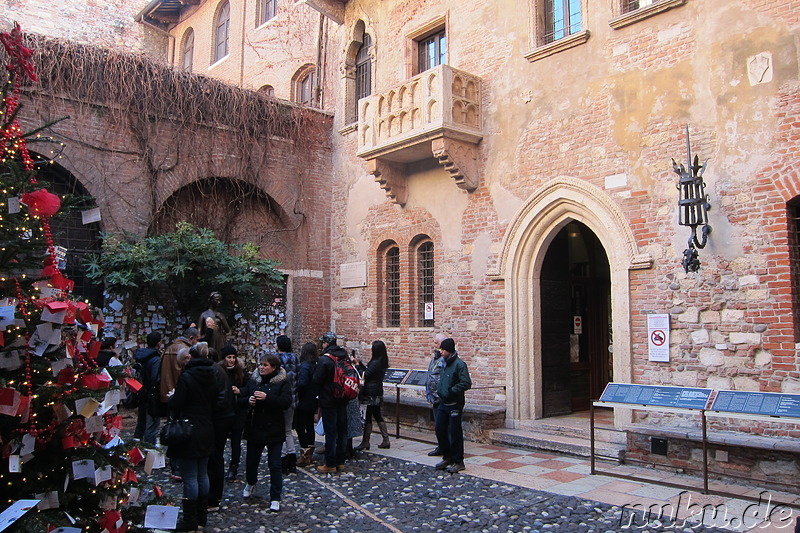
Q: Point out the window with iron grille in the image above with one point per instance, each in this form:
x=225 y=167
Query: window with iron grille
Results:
x=425 y=280
x=793 y=214
x=221 y=32
x=633 y=5
x=188 y=50
x=561 y=19
x=266 y=10
x=392 y=287
x=363 y=69
x=432 y=51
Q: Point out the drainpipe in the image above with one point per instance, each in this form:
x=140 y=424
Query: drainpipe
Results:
x=241 y=59
x=318 y=78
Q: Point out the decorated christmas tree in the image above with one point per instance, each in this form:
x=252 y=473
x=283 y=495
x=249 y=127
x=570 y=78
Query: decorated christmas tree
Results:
x=64 y=466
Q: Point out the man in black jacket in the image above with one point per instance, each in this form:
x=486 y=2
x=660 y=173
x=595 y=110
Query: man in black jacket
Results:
x=334 y=410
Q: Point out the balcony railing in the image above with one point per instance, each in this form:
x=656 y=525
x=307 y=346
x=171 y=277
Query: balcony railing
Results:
x=440 y=102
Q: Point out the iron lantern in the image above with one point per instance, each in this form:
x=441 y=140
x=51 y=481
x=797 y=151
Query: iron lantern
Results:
x=693 y=205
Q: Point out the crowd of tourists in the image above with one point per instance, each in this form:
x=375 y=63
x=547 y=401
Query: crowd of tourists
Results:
x=209 y=400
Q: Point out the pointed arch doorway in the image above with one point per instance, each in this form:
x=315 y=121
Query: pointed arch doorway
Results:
x=536 y=227
x=575 y=286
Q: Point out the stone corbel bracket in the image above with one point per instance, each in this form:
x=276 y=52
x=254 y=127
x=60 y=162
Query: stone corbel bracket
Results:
x=459 y=159
x=392 y=179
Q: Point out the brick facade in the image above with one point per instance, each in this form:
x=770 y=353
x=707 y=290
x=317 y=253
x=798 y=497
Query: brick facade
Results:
x=585 y=133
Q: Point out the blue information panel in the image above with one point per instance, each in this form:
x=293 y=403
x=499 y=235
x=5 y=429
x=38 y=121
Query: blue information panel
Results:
x=760 y=403
x=661 y=396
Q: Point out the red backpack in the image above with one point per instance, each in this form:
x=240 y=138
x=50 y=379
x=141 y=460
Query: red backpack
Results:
x=346 y=381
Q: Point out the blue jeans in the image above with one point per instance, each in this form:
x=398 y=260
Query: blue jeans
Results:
x=334 y=422
x=253 y=459
x=195 y=477
x=449 y=433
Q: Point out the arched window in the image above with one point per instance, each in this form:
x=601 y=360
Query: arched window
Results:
x=389 y=285
x=222 y=31
x=187 y=50
x=363 y=69
x=425 y=284
x=305 y=86
x=266 y=10
x=268 y=90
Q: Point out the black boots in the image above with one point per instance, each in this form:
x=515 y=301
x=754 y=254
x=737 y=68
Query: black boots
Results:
x=230 y=477
x=189 y=520
x=365 y=439
x=202 y=511
x=385 y=434
x=289 y=464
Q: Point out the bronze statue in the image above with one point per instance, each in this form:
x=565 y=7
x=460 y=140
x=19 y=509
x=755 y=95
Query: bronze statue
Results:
x=212 y=323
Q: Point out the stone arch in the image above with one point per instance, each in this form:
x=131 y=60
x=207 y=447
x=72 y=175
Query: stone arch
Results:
x=524 y=246
x=355 y=39
x=235 y=210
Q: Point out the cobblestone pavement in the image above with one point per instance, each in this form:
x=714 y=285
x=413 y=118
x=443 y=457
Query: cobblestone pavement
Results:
x=379 y=493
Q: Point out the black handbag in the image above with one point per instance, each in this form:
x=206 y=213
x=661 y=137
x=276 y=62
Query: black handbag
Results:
x=176 y=432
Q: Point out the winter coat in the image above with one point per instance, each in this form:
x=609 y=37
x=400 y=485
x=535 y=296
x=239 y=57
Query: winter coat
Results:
x=290 y=363
x=374 y=373
x=307 y=392
x=323 y=376
x=265 y=421
x=432 y=379
x=226 y=402
x=454 y=381
x=195 y=398
x=149 y=361
x=241 y=407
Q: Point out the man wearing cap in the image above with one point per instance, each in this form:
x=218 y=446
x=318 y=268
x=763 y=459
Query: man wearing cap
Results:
x=453 y=382
x=334 y=410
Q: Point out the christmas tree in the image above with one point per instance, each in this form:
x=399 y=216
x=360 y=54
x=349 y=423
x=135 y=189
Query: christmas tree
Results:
x=64 y=466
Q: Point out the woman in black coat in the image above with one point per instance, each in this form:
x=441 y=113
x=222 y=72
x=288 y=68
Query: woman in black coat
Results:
x=307 y=403
x=268 y=396
x=194 y=399
x=372 y=394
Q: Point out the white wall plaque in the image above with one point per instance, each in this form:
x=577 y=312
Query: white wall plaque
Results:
x=353 y=274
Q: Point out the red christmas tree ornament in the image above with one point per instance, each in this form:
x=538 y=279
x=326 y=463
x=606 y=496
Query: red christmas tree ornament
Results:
x=42 y=203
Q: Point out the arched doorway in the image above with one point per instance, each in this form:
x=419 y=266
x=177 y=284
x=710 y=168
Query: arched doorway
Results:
x=526 y=244
x=575 y=287
x=81 y=240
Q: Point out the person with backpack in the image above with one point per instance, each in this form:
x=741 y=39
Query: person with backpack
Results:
x=372 y=395
x=149 y=361
x=333 y=402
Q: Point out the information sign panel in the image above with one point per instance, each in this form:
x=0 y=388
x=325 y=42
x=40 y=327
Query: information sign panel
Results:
x=416 y=378
x=760 y=403
x=658 y=395
x=395 y=375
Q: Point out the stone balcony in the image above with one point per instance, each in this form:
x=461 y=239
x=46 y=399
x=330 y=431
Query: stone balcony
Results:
x=437 y=114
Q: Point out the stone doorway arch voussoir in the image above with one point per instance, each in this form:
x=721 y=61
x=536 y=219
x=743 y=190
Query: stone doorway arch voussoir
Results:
x=523 y=249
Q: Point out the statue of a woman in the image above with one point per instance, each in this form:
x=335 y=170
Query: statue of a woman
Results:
x=212 y=323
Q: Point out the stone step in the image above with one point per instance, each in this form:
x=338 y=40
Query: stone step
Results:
x=560 y=442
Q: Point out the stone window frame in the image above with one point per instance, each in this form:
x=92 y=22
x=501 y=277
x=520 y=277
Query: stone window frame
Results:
x=264 y=8
x=187 y=48
x=541 y=49
x=625 y=16
x=423 y=284
x=414 y=38
x=223 y=10
x=305 y=74
x=388 y=286
x=351 y=50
